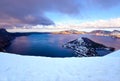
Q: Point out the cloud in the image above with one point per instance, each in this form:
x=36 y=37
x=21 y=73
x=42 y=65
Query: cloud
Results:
x=33 y=11
x=110 y=23
x=106 y=3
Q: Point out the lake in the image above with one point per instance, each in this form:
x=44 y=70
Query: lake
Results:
x=50 y=45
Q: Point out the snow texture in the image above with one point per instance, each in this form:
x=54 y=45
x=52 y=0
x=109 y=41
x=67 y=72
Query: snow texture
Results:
x=29 y=68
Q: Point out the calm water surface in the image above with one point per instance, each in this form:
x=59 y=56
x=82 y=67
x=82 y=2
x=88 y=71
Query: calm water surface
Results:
x=51 y=45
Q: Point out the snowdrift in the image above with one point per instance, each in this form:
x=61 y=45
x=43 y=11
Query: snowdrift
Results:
x=29 y=68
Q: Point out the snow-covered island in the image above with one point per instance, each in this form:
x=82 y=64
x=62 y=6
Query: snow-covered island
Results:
x=30 y=68
x=84 y=47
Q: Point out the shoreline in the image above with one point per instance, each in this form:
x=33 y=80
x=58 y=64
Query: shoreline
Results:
x=6 y=37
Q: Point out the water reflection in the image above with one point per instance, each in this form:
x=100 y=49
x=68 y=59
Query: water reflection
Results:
x=51 y=45
x=61 y=39
x=106 y=40
x=19 y=45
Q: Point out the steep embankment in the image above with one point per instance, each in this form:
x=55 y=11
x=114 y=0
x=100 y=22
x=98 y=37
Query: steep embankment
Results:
x=5 y=39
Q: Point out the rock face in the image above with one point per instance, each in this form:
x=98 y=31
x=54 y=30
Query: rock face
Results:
x=86 y=47
x=5 y=39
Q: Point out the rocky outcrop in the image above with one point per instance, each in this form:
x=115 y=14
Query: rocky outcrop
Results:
x=5 y=39
x=86 y=47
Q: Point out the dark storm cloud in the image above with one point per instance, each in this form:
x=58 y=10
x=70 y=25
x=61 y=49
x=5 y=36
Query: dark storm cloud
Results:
x=33 y=11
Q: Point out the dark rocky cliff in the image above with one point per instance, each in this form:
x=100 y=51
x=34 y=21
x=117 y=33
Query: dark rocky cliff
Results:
x=5 y=39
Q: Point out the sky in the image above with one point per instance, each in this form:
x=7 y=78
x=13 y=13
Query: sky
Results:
x=82 y=13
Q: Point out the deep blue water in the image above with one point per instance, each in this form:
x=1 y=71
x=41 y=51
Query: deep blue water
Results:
x=51 y=45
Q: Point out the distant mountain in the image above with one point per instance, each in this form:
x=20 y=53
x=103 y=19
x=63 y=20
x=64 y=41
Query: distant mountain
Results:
x=69 y=32
x=86 y=47
x=114 y=33
x=100 y=32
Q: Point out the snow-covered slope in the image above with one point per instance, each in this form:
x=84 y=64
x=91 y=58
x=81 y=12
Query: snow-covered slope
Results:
x=30 y=68
x=114 y=54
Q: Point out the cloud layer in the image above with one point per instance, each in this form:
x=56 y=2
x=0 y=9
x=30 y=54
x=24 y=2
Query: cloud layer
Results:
x=110 y=23
x=102 y=23
x=33 y=11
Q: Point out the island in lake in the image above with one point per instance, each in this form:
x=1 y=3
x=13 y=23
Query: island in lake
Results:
x=60 y=44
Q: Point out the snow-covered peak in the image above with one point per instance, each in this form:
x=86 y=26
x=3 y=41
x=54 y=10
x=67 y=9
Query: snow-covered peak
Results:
x=80 y=40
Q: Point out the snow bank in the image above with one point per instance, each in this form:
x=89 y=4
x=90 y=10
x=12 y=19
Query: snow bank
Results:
x=114 y=54
x=30 y=68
